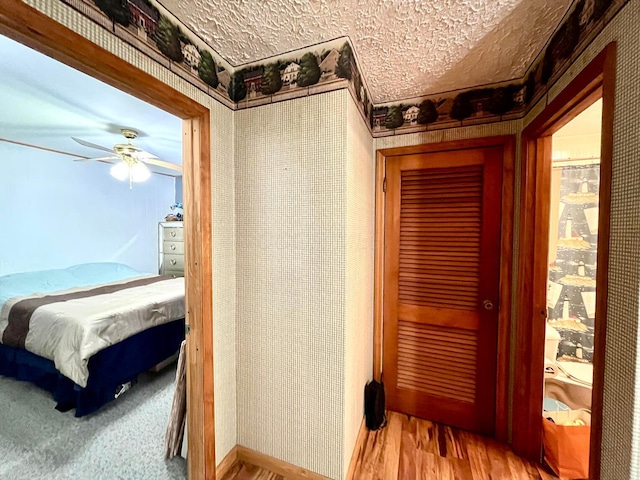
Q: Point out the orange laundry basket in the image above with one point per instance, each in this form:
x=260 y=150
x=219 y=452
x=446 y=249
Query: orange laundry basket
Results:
x=566 y=444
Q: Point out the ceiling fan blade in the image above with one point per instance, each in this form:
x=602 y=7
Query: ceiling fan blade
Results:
x=162 y=163
x=144 y=155
x=98 y=159
x=92 y=145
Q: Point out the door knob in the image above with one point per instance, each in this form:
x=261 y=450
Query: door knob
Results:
x=488 y=305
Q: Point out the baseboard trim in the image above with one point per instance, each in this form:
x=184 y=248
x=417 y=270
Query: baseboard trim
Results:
x=287 y=470
x=357 y=450
x=227 y=463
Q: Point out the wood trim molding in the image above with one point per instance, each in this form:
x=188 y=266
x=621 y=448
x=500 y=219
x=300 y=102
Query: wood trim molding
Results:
x=40 y=32
x=506 y=285
x=597 y=79
x=358 y=451
x=199 y=306
x=227 y=463
x=506 y=259
x=378 y=269
x=275 y=465
x=602 y=275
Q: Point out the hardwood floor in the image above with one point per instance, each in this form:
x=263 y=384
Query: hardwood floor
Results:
x=410 y=448
x=244 y=471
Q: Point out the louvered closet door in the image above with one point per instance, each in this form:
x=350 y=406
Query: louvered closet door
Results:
x=442 y=245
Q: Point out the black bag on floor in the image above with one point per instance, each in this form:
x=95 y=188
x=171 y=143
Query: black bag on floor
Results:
x=374 y=405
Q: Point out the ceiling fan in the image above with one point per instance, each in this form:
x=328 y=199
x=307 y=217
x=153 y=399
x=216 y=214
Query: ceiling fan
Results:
x=132 y=159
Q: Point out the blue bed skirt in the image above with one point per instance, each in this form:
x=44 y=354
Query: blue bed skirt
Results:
x=108 y=369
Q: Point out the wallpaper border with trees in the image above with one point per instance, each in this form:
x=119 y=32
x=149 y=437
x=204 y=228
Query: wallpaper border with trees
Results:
x=332 y=65
x=152 y=29
x=507 y=100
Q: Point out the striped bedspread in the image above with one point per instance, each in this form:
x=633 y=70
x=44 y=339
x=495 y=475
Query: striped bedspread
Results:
x=70 y=326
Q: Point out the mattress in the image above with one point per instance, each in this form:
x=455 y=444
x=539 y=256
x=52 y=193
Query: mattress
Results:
x=69 y=315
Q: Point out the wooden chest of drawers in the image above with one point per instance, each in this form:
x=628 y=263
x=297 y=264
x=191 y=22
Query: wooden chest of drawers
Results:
x=171 y=248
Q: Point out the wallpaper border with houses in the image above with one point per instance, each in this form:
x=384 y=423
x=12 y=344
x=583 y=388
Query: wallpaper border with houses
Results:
x=510 y=100
x=152 y=29
x=149 y=27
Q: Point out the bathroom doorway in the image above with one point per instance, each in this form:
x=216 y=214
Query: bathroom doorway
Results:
x=573 y=244
x=571 y=291
x=563 y=259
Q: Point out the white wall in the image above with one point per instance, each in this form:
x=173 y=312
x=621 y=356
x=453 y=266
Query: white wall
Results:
x=56 y=212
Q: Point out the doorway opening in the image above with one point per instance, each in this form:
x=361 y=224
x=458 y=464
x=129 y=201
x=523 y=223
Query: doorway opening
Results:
x=63 y=144
x=34 y=29
x=563 y=237
x=571 y=291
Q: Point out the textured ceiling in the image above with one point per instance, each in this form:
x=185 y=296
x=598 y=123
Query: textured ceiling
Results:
x=44 y=102
x=406 y=48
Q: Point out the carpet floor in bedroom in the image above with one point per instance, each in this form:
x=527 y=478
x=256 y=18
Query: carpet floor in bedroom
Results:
x=124 y=440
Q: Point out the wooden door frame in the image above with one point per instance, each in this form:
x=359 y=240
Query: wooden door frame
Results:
x=507 y=142
x=595 y=81
x=40 y=32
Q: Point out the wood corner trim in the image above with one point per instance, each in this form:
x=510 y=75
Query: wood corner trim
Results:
x=275 y=465
x=227 y=463
x=358 y=450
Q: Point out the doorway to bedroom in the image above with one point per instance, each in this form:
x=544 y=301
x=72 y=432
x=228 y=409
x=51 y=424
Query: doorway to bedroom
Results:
x=92 y=187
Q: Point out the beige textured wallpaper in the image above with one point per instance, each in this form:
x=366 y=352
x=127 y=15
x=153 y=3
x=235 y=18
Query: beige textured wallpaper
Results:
x=304 y=197
x=223 y=212
x=290 y=243
x=360 y=208
x=224 y=278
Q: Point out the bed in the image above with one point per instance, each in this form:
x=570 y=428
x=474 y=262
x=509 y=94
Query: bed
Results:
x=86 y=332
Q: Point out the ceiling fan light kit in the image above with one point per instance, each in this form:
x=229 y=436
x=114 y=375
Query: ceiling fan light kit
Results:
x=132 y=169
x=133 y=159
x=120 y=171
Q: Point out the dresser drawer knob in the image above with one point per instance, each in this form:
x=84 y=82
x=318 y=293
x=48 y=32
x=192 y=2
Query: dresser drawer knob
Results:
x=173 y=247
x=173 y=234
x=173 y=261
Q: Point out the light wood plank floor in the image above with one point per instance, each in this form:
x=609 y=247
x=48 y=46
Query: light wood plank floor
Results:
x=416 y=449
x=410 y=448
x=244 y=471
